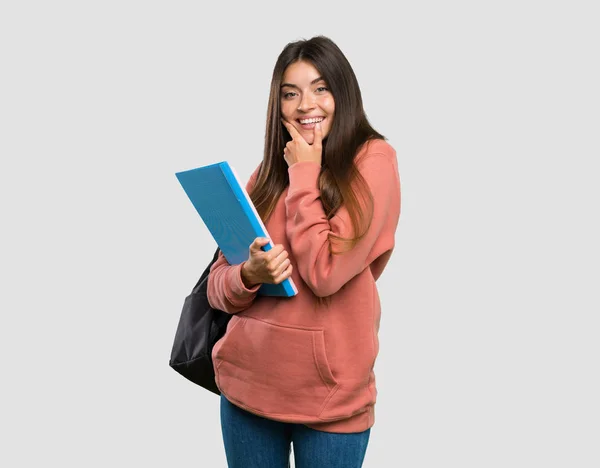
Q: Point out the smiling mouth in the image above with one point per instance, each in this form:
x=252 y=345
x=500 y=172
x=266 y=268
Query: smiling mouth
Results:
x=310 y=120
x=309 y=123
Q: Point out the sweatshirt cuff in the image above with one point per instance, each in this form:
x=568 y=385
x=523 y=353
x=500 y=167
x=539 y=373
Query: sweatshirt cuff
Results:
x=237 y=284
x=304 y=175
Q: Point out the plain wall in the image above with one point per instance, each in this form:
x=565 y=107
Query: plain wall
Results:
x=489 y=333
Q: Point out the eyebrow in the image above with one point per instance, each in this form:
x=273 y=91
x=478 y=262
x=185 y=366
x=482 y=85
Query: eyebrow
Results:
x=294 y=86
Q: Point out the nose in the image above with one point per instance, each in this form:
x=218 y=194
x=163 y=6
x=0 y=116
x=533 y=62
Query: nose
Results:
x=306 y=102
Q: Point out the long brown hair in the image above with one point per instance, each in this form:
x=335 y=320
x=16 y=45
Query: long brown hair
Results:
x=350 y=130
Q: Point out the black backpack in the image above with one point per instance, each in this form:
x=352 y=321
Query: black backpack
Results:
x=200 y=327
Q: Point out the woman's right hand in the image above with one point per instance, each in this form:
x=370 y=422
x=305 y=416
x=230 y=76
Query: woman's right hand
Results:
x=266 y=267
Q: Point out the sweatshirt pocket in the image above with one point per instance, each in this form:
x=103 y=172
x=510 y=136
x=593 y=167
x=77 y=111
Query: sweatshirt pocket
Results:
x=275 y=370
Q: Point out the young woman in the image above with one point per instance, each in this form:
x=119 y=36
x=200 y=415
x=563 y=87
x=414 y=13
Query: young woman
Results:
x=300 y=370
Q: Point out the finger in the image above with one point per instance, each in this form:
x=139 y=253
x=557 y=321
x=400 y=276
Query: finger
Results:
x=277 y=261
x=258 y=243
x=286 y=274
x=296 y=137
x=282 y=268
x=255 y=243
x=282 y=256
x=318 y=140
x=272 y=254
x=274 y=258
x=275 y=268
x=261 y=241
x=291 y=129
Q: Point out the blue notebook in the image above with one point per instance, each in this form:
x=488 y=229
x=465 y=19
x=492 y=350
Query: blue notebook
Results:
x=229 y=214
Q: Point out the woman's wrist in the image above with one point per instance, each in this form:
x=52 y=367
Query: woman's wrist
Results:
x=247 y=277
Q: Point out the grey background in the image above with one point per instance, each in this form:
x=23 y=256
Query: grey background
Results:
x=489 y=334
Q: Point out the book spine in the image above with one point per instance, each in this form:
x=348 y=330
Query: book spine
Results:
x=238 y=188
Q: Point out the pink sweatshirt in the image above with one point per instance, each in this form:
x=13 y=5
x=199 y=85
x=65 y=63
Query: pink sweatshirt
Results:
x=290 y=359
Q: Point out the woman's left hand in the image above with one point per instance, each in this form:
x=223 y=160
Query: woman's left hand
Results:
x=299 y=150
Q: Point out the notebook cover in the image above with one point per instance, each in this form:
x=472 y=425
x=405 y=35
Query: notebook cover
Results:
x=229 y=214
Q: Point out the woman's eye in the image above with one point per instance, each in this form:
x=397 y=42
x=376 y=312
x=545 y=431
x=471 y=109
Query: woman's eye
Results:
x=288 y=95
x=322 y=87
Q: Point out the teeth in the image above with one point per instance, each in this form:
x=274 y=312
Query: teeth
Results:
x=308 y=121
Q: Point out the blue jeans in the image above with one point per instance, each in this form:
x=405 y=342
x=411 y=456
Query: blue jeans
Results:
x=255 y=442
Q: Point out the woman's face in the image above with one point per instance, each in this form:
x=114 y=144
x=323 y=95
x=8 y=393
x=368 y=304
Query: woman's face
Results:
x=305 y=95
